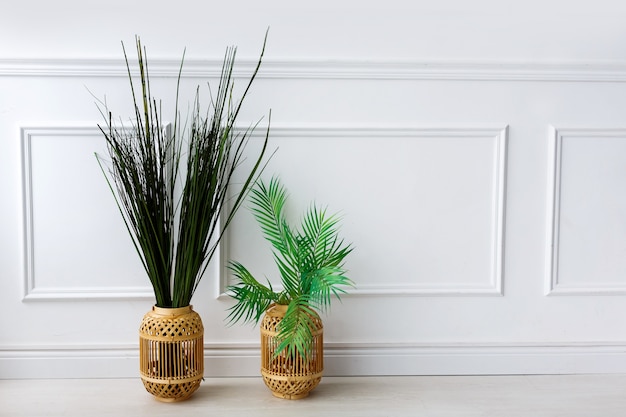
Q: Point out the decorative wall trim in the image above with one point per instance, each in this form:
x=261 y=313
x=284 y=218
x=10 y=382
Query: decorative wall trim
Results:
x=341 y=359
x=499 y=135
x=595 y=71
x=493 y=288
x=555 y=154
x=87 y=293
x=33 y=292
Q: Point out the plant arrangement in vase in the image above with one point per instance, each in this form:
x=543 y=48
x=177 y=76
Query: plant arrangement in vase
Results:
x=310 y=262
x=173 y=189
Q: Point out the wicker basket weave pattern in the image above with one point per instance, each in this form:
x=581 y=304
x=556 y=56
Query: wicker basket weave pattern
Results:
x=290 y=377
x=171 y=352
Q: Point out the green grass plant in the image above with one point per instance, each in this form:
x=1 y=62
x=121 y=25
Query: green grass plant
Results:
x=173 y=187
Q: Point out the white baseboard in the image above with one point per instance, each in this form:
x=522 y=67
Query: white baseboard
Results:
x=340 y=360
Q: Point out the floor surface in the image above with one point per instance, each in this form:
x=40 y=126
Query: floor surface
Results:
x=439 y=396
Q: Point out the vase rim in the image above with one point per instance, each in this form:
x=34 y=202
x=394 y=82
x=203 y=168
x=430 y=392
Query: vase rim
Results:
x=172 y=311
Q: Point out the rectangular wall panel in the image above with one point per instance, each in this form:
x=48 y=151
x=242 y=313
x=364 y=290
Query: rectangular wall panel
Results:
x=424 y=207
x=71 y=220
x=587 y=240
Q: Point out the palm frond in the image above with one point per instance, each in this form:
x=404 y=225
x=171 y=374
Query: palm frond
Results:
x=253 y=298
x=322 y=230
x=327 y=282
x=295 y=330
x=268 y=203
x=324 y=253
x=289 y=275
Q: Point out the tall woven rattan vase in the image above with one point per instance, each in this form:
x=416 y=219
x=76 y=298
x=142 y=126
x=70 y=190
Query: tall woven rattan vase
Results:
x=290 y=377
x=171 y=352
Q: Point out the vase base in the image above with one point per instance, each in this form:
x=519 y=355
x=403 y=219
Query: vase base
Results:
x=290 y=396
x=171 y=393
x=171 y=400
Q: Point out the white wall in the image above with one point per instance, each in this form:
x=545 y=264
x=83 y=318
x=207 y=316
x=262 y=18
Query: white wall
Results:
x=476 y=150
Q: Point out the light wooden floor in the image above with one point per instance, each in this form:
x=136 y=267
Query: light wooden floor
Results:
x=485 y=396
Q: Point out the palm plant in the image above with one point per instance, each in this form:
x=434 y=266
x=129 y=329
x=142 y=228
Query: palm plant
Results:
x=177 y=233
x=311 y=266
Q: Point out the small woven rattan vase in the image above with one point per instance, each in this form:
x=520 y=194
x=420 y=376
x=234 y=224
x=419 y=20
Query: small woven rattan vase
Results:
x=290 y=377
x=171 y=352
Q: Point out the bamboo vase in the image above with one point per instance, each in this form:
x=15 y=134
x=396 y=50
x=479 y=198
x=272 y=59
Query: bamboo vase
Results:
x=171 y=352
x=290 y=377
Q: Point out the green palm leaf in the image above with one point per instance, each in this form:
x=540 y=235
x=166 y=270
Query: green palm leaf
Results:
x=325 y=283
x=269 y=202
x=295 y=330
x=253 y=298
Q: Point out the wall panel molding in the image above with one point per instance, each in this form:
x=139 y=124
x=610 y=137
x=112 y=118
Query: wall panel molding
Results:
x=554 y=284
x=32 y=290
x=498 y=136
x=595 y=71
x=341 y=359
